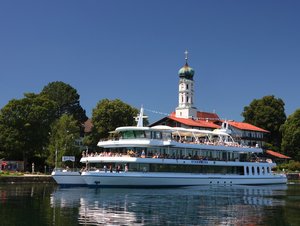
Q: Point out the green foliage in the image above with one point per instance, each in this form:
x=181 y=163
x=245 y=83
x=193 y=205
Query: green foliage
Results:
x=66 y=99
x=107 y=116
x=267 y=113
x=291 y=136
x=24 y=126
x=63 y=136
x=10 y=173
x=291 y=166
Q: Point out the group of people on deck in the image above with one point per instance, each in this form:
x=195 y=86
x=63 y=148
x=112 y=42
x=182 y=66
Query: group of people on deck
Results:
x=118 y=168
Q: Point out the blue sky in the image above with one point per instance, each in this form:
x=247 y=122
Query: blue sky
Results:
x=132 y=50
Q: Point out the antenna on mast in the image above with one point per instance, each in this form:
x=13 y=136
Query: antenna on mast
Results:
x=140 y=118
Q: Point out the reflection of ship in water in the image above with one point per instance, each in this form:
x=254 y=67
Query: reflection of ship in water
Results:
x=196 y=205
x=264 y=196
x=106 y=213
x=95 y=206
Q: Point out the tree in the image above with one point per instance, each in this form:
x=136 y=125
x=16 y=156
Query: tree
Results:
x=291 y=136
x=24 y=126
x=267 y=113
x=107 y=116
x=63 y=136
x=66 y=99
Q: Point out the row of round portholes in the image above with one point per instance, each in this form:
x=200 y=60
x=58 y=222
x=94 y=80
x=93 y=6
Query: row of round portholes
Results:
x=218 y=182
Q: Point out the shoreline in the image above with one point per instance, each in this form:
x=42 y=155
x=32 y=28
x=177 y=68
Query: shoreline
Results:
x=28 y=178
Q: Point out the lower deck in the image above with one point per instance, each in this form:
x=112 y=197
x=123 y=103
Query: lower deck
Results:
x=148 y=179
x=129 y=164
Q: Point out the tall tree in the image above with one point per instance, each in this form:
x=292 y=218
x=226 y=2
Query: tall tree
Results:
x=63 y=136
x=267 y=113
x=108 y=115
x=24 y=126
x=291 y=136
x=66 y=99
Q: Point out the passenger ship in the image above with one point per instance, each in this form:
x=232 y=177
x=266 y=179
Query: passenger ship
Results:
x=163 y=156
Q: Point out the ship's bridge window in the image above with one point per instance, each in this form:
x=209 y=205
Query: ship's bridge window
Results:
x=140 y=134
x=157 y=135
x=127 y=134
x=148 y=134
x=166 y=136
x=130 y=134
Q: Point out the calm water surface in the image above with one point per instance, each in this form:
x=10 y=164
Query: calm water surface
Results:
x=229 y=205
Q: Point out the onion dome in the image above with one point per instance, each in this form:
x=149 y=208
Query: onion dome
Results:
x=186 y=72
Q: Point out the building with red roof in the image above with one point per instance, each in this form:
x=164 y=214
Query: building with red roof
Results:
x=277 y=155
x=249 y=134
x=194 y=123
x=186 y=114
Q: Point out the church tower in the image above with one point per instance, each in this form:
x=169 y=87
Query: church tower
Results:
x=186 y=107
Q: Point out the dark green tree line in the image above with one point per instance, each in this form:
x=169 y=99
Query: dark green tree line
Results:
x=66 y=99
x=291 y=136
x=24 y=126
x=267 y=113
x=63 y=136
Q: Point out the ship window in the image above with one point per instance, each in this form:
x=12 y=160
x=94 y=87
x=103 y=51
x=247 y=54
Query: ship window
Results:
x=157 y=135
x=187 y=86
x=247 y=170
x=253 y=170
x=196 y=169
x=166 y=136
x=127 y=134
x=258 y=171
x=268 y=169
x=140 y=134
x=148 y=134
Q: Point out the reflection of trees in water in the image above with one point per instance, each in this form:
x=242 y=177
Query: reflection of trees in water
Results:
x=197 y=205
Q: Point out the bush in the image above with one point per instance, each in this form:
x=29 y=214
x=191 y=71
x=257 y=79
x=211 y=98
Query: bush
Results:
x=292 y=166
x=10 y=173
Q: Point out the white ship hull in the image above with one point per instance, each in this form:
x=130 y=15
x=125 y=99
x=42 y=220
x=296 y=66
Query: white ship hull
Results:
x=70 y=178
x=139 y=179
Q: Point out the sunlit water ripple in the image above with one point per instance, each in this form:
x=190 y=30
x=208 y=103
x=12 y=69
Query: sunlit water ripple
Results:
x=205 y=205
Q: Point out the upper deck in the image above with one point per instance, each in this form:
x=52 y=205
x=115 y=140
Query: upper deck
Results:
x=175 y=137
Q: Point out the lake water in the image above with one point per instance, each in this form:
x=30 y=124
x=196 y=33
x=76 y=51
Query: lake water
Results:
x=41 y=204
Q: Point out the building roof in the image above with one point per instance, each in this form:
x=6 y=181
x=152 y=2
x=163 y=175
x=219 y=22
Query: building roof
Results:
x=207 y=119
x=195 y=123
x=246 y=126
x=277 y=154
x=88 y=126
x=207 y=116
